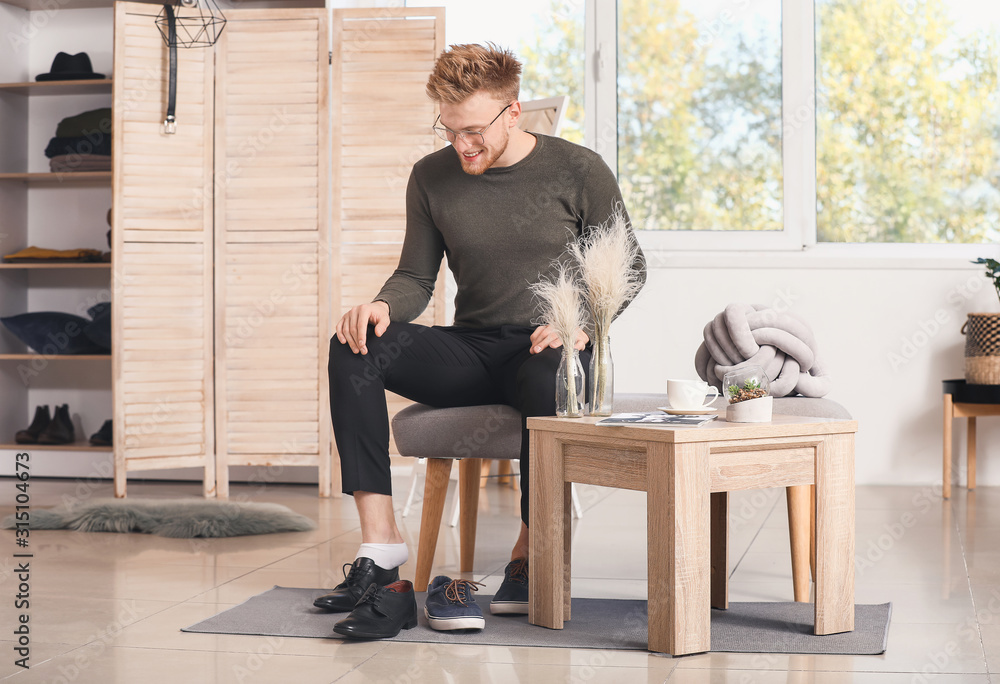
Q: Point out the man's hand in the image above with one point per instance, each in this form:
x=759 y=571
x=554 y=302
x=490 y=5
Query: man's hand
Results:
x=544 y=336
x=353 y=326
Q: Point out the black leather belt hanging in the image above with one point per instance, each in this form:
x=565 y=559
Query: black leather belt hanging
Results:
x=170 y=122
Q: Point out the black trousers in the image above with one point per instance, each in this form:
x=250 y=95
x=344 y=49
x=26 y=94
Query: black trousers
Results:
x=440 y=367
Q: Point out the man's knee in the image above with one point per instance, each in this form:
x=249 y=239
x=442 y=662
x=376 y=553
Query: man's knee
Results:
x=341 y=356
x=363 y=369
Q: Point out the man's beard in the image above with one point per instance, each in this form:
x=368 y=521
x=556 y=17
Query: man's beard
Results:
x=487 y=157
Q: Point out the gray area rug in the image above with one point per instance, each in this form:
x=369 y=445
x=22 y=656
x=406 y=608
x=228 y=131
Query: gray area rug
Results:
x=597 y=623
x=178 y=518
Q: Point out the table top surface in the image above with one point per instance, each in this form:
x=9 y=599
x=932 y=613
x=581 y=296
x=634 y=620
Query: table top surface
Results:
x=712 y=431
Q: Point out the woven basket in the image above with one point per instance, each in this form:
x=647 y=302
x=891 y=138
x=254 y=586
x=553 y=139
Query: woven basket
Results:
x=982 y=349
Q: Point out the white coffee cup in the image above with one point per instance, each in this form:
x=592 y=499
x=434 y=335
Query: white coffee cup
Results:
x=690 y=395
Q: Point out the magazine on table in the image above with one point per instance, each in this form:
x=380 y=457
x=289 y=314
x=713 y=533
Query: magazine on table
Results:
x=655 y=418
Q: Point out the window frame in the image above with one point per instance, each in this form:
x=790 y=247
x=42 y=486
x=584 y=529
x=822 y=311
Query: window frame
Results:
x=798 y=111
x=798 y=49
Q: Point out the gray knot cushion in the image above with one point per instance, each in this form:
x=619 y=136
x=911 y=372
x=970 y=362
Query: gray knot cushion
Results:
x=781 y=343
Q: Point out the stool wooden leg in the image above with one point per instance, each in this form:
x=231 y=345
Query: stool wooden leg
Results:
x=971 y=454
x=435 y=489
x=468 y=492
x=720 y=550
x=486 y=463
x=799 y=529
x=946 y=451
x=504 y=472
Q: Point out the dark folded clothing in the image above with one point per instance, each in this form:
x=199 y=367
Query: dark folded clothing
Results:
x=96 y=143
x=94 y=122
x=69 y=163
x=74 y=168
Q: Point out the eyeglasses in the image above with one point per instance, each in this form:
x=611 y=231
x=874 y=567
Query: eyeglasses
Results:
x=472 y=137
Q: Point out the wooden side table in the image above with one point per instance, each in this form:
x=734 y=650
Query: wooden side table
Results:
x=687 y=473
x=962 y=400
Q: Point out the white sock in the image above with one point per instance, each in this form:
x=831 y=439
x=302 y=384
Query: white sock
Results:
x=386 y=556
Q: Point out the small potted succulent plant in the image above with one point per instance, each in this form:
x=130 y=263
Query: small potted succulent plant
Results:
x=746 y=389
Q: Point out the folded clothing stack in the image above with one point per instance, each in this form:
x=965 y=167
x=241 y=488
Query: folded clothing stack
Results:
x=32 y=254
x=82 y=143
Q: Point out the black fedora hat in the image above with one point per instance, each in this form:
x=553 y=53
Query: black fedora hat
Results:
x=69 y=68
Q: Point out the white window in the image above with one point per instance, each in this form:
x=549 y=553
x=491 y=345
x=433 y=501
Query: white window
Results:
x=908 y=121
x=770 y=124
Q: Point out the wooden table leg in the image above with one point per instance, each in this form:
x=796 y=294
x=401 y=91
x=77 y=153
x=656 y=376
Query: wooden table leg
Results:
x=567 y=513
x=720 y=550
x=678 y=530
x=971 y=454
x=835 y=534
x=799 y=533
x=548 y=514
x=946 y=475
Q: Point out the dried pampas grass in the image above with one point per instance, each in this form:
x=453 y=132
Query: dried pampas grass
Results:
x=561 y=303
x=606 y=259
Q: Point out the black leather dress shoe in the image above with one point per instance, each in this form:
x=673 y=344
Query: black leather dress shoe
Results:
x=41 y=421
x=345 y=595
x=381 y=612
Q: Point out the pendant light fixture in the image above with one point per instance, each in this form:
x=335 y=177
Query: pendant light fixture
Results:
x=187 y=24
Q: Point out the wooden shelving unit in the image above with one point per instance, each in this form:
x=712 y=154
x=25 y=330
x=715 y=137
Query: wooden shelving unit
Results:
x=75 y=446
x=90 y=86
x=46 y=209
x=78 y=177
x=57 y=265
x=55 y=357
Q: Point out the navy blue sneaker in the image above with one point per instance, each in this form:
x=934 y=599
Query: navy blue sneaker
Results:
x=512 y=596
x=451 y=605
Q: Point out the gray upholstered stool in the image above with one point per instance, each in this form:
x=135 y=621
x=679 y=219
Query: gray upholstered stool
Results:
x=469 y=434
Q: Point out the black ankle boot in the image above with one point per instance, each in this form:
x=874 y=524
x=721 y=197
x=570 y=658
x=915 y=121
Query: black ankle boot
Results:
x=102 y=437
x=60 y=429
x=41 y=421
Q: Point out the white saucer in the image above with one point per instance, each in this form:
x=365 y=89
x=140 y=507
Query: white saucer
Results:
x=690 y=412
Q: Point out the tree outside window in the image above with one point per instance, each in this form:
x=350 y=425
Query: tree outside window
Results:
x=907 y=114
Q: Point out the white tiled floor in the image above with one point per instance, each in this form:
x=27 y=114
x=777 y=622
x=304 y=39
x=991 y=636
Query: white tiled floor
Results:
x=108 y=608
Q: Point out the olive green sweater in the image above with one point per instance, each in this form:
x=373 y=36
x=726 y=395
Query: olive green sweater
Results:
x=500 y=231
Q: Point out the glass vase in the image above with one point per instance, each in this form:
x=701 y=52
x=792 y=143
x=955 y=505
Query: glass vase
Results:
x=570 y=385
x=602 y=375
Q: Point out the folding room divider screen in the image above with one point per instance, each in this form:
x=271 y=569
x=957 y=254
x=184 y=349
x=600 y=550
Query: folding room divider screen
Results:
x=227 y=267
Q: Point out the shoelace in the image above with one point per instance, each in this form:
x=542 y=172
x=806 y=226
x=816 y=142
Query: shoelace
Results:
x=457 y=590
x=351 y=577
x=372 y=595
x=519 y=570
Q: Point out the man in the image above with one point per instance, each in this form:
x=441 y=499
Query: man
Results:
x=502 y=203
